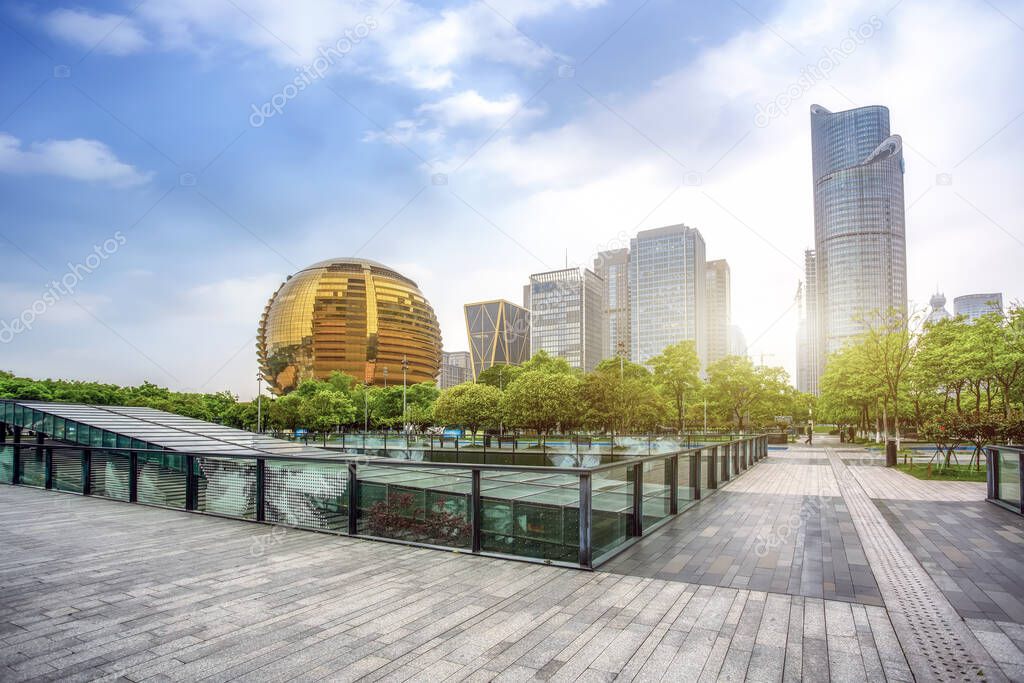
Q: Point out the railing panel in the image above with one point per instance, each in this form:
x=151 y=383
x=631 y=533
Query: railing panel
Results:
x=531 y=514
x=612 y=509
x=1008 y=476
x=109 y=473
x=6 y=464
x=67 y=470
x=162 y=479
x=308 y=495
x=32 y=466
x=416 y=505
x=708 y=473
x=657 y=489
x=684 y=482
x=226 y=486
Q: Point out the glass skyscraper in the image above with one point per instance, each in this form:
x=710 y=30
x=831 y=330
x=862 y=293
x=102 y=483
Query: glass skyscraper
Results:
x=974 y=306
x=566 y=313
x=667 y=282
x=499 y=334
x=859 y=223
x=613 y=267
x=719 y=309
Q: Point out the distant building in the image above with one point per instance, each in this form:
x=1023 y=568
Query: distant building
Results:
x=499 y=334
x=860 y=256
x=938 y=312
x=976 y=305
x=613 y=267
x=809 y=364
x=737 y=342
x=718 y=308
x=667 y=285
x=526 y=297
x=566 y=314
x=455 y=369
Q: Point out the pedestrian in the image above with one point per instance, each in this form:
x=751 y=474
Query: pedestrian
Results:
x=810 y=435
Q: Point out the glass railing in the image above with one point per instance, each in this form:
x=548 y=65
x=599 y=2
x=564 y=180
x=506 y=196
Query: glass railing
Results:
x=556 y=507
x=1004 y=476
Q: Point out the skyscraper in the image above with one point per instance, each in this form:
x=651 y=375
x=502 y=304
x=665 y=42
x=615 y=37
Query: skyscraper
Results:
x=455 y=369
x=565 y=316
x=718 y=308
x=976 y=305
x=613 y=267
x=499 y=334
x=667 y=284
x=859 y=222
x=808 y=345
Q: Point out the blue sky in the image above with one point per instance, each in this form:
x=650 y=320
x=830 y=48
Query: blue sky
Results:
x=561 y=128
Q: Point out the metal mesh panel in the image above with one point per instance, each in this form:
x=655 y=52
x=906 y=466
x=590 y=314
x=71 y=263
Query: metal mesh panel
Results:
x=67 y=470
x=162 y=479
x=109 y=474
x=227 y=486
x=307 y=495
x=6 y=464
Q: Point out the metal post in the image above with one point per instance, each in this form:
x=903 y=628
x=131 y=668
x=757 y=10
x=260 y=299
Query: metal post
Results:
x=48 y=467
x=586 y=512
x=86 y=472
x=991 y=465
x=259 y=403
x=40 y=438
x=3 y=433
x=353 y=499
x=695 y=474
x=477 y=512
x=724 y=463
x=261 y=489
x=1020 y=492
x=638 y=499
x=16 y=457
x=133 y=477
x=712 y=468
x=672 y=477
x=191 y=483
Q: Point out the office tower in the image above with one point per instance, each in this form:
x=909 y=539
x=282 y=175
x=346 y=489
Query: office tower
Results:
x=667 y=285
x=737 y=342
x=938 y=312
x=809 y=364
x=859 y=224
x=499 y=334
x=976 y=305
x=565 y=316
x=455 y=369
x=613 y=267
x=526 y=297
x=718 y=308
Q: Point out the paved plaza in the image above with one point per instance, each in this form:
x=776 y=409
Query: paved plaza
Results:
x=816 y=564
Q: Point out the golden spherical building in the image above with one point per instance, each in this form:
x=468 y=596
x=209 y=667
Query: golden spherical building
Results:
x=352 y=315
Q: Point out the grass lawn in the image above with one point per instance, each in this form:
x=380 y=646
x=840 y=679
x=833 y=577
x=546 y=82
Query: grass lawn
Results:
x=952 y=473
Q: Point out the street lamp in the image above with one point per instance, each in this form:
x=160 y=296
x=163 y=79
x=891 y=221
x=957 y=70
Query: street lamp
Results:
x=366 y=409
x=259 y=402
x=405 y=368
x=385 y=377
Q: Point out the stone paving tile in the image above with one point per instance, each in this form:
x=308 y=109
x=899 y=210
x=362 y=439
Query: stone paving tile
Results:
x=974 y=551
x=96 y=589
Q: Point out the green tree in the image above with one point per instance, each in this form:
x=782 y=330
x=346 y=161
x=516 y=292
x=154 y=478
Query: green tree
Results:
x=620 y=396
x=325 y=409
x=500 y=376
x=543 y=401
x=676 y=371
x=284 y=413
x=468 y=405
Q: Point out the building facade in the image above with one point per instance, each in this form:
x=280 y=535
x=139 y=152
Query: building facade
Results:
x=719 y=308
x=499 y=334
x=456 y=368
x=938 y=310
x=809 y=365
x=976 y=305
x=667 y=291
x=613 y=267
x=859 y=222
x=566 y=316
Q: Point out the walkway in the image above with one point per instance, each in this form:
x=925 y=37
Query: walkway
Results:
x=776 y=577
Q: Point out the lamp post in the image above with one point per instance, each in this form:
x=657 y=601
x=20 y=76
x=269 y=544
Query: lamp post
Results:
x=385 y=377
x=259 y=403
x=405 y=368
x=366 y=409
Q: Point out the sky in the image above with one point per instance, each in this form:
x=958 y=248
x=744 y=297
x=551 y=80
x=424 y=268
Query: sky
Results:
x=164 y=166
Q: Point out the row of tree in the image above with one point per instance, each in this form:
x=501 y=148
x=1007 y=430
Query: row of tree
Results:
x=543 y=395
x=902 y=372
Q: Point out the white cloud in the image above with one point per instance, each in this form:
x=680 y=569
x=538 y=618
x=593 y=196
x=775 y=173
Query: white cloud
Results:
x=471 y=108
x=78 y=159
x=110 y=33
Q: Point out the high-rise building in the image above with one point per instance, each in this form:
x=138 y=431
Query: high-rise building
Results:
x=808 y=343
x=455 y=369
x=718 y=308
x=859 y=222
x=737 y=342
x=565 y=316
x=613 y=267
x=667 y=285
x=499 y=334
x=938 y=312
x=976 y=305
